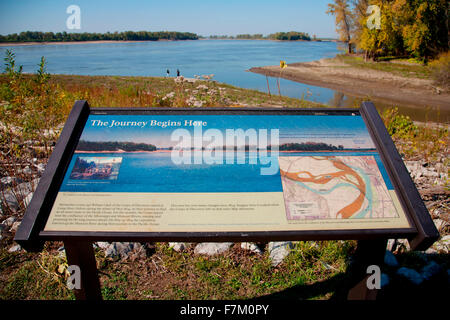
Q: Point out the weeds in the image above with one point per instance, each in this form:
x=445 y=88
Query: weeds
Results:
x=426 y=141
x=440 y=70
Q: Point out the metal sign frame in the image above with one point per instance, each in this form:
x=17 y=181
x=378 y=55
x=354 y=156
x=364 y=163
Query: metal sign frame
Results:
x=371 y=242
x=31 y=235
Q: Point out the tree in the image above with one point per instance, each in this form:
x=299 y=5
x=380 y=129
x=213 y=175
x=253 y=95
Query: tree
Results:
x=344 y=20
x=424 y=26
x=386 y=40
x=359 y=18
x=416 y=28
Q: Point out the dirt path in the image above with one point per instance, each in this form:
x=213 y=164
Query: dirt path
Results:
x=380 y=85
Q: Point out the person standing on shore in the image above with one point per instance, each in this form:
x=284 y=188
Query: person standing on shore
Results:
x=178 y=73
x=168 y=72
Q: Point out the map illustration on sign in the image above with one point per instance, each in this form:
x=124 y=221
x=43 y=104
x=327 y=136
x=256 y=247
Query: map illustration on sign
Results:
x=334 y=187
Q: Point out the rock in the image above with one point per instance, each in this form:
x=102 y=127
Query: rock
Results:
x=443 y=245
x=27 y=170
x=41 y=167
x=251 y=246
x=402 y=245
x=278 y=251
x=414 y=168
x=169 y=95
x=326 y=265
x=3 y=228
x=6 y=181
x=178 y=246
x=141 y=250
x=15 y=248
x=410 y=274
x=15 y=226
x=9 y=221
x=61 y=252
x=27 y=199
x=103 y=245
x=430 y=270
x=212 y=248
x=391 y=245
x=118 y=249
x=11 y=200
x=122 y=249
x=25 y=188
x=431 y=251
x=430 y=173
x=440 y=224
x=390 y=260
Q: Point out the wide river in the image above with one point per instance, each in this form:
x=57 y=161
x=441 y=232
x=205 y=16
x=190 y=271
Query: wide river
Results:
x=228 y=60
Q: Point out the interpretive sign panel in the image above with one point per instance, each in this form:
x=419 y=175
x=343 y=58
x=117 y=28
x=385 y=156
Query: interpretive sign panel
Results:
x=207 y=173
x=124 y=174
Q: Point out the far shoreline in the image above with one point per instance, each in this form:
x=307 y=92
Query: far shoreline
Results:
x=37 y=43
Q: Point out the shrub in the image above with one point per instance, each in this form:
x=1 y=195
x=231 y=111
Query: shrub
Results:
x=398 y=125
x=441 y=70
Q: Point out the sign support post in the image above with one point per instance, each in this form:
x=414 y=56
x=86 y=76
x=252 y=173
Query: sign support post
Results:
x=368 y=253
x=81 y=254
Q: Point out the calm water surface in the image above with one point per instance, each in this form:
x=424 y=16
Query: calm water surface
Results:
x=228 y=60
x=137 y=169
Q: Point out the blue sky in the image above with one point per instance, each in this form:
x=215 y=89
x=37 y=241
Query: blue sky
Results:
x=204 y=17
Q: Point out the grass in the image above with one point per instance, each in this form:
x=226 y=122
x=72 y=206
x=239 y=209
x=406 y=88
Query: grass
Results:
x=32 y=276
x=237 y=274
x=401 y=67
x=313 y=270
x=170 y=275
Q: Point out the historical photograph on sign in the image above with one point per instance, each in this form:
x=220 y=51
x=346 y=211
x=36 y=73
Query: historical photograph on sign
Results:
x=96 y=168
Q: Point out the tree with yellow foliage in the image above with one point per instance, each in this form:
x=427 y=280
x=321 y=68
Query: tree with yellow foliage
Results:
x=344 y=20
x=417 y=28
x=386 y=40
x=425 y=26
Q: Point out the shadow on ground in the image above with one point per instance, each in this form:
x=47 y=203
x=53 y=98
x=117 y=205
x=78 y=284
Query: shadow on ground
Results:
x=436 y=288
